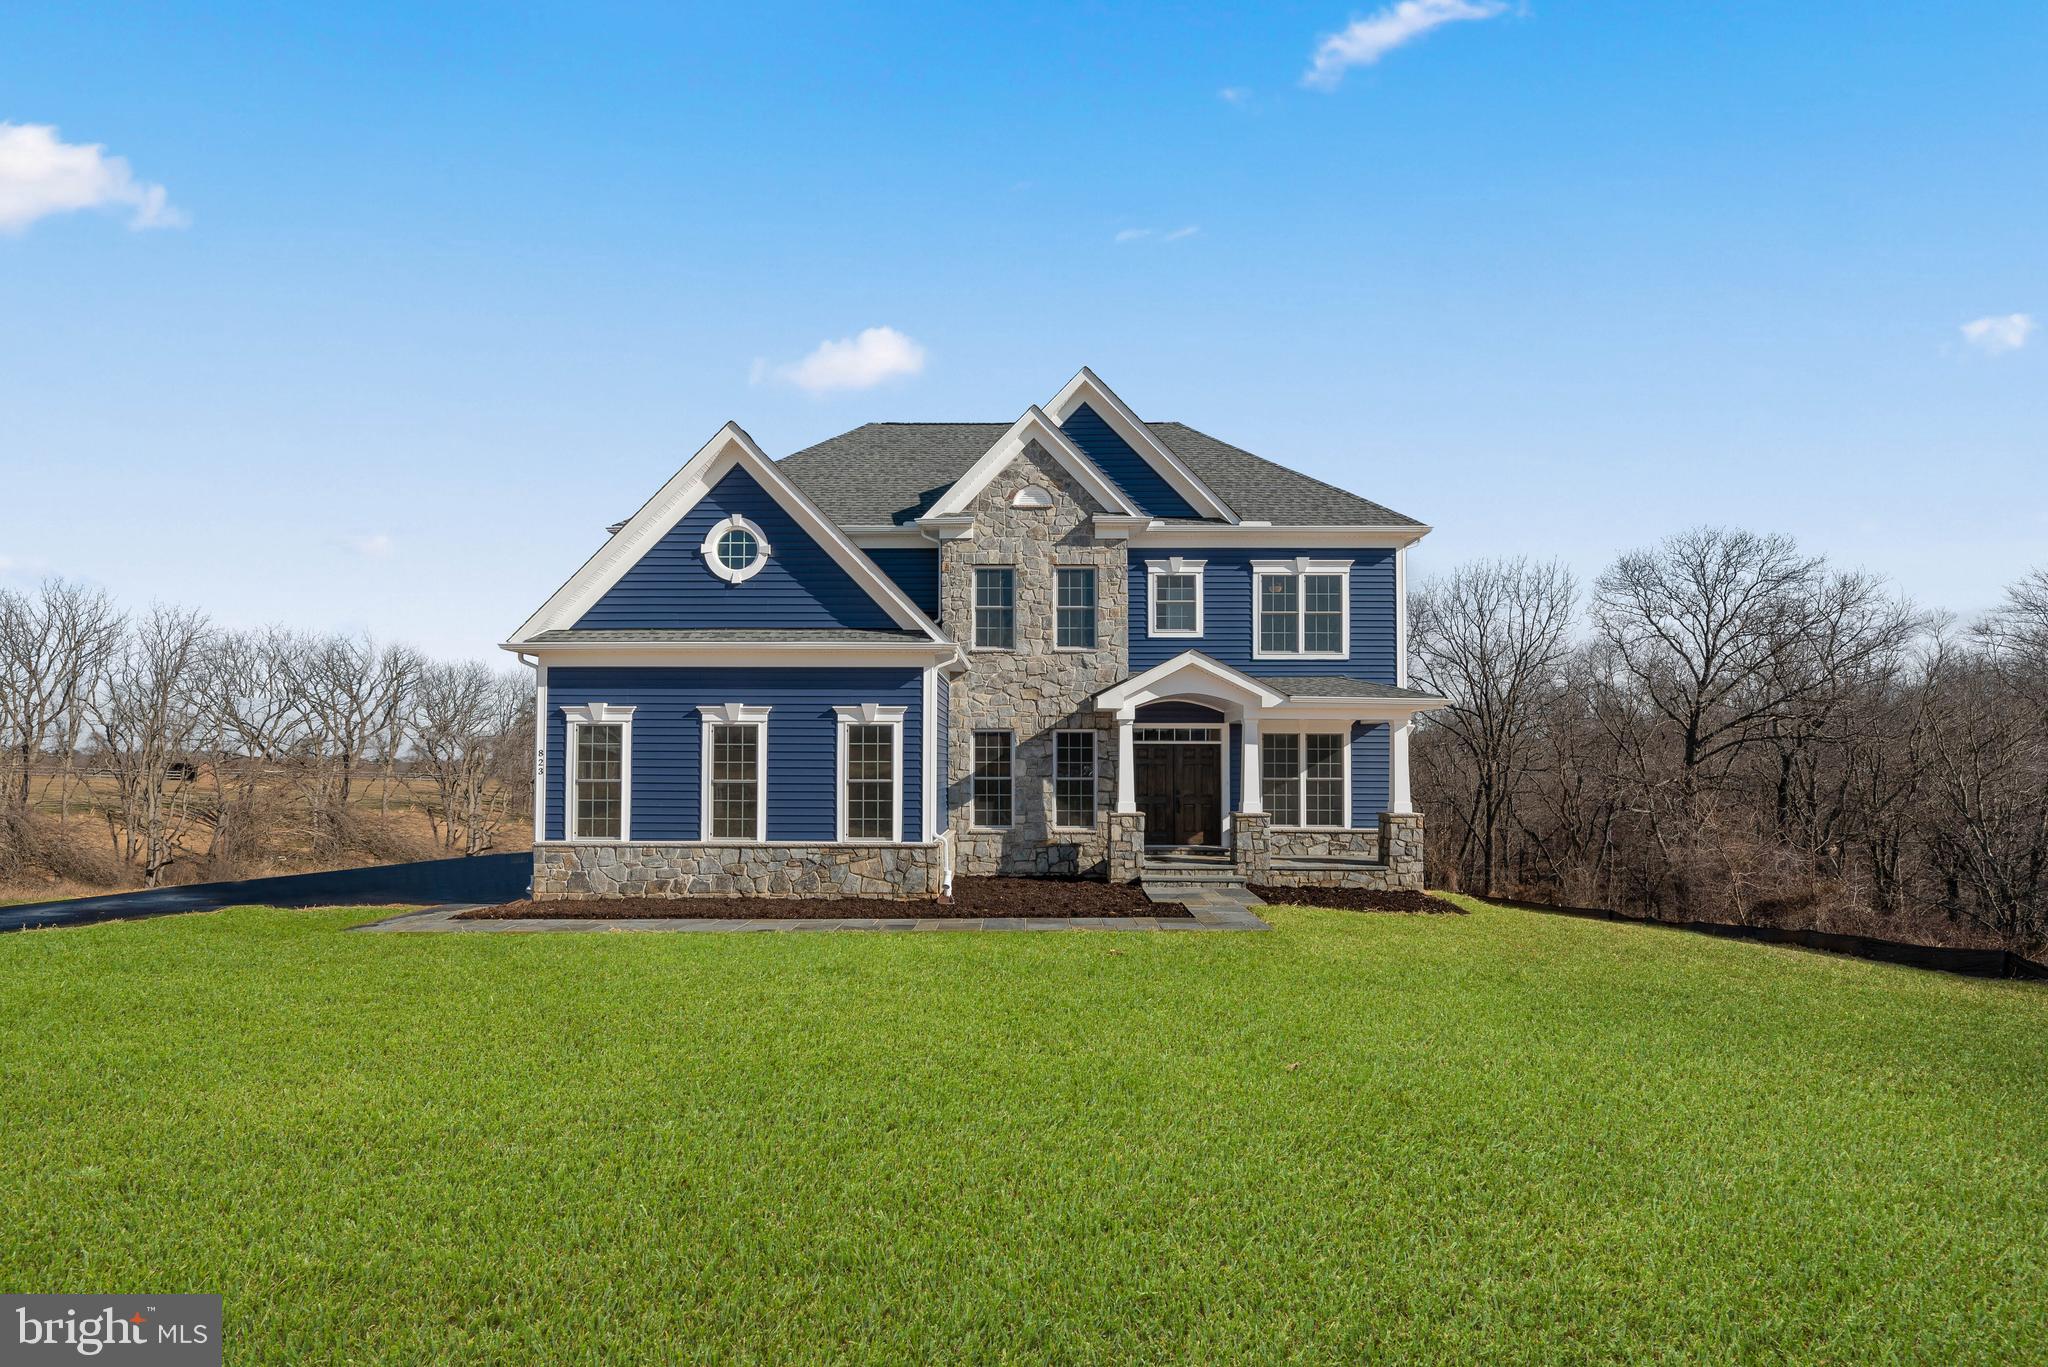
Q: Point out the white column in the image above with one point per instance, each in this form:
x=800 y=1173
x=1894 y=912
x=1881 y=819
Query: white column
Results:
x=1126 y=768
x=1398 y=800
x=1251 y=796
x=540 y=753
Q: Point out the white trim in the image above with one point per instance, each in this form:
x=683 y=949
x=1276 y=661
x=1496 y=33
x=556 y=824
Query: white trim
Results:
x=730 y=448
x=540 y=756
x=1188 y=674
x=1032 y=498
x=1304 y=726
x=870 y=537
x=973 y=795
x=574 y=719
x=1299 y=568
x=1399 y=800
x=928 y=735
x=868 y=714
x=974 y=610
x=1400 y=617
x=709 y=550
x=1088 y=388
x=1052 y=820
x=1033 y=426
x=732 y=714
x=1199 y=536
x=773 y=654
x=1154 y=570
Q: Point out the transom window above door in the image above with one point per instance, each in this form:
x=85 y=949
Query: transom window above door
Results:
x=735 y=549
x=1303 y=609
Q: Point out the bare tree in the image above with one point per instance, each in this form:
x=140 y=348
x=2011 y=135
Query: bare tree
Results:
x=352 y=693
x=146 y=722
x=467 y=732
x=52 y=645
x=1493 y=637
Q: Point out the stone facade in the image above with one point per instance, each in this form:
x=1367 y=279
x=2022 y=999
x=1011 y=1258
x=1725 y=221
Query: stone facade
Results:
x=1252 y=851
x=1036 y=688
x=897 y=872
x=1395 y=849
x=1126 y=846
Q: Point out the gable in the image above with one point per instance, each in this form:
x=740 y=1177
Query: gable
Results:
x=1135 y=475
x=670 y=585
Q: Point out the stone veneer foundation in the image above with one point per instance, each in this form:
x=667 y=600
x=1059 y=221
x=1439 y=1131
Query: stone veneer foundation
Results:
x=1395 y=849
x=687 y=869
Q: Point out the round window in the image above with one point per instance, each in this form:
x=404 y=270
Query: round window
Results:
x=737 y=549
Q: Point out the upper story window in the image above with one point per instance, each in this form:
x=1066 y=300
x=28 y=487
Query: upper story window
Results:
x=1303 y=608
x=1075 y=609
x=995 y=608
x=870 y=772
x=1175 y=597
x=600 y=747
x=735 y=777
x=736 y=550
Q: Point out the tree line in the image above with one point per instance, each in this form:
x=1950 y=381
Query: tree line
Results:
x=1729 y=728
x=159 y=747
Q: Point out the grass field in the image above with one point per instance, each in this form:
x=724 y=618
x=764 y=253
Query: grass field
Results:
x=1500 y=1136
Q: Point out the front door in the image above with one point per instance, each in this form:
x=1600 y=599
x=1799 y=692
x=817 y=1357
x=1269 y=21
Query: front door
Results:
x=1180 y=790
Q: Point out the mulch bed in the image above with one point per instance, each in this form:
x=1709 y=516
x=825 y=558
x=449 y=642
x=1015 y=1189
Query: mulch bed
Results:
x=1355 y=899
x=972 y=897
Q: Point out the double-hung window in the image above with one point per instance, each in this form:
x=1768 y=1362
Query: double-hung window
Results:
x=1302 y=780
x=994 y=755
x=1174 y=593
x=599 y=797
x=1074 y=609
x=1073 y=779
x=870 y=772
x=1302 y=608
x=735 y=780
x=995 y=608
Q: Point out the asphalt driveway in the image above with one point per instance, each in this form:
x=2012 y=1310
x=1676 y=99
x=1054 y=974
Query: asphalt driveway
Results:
x=485 y=879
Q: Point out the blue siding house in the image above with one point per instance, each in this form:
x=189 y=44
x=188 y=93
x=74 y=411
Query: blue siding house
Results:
x=1077 y=644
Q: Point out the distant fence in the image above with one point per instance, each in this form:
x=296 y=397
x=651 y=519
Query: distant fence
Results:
x=1974 y=963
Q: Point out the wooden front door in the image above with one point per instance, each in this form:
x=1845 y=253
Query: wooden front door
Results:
x=1180 y=790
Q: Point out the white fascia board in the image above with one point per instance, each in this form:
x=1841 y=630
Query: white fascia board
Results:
x=730 y=448
x=1171 y=534
x=762 y=654
x=1395 y=710
x=891 y=535
x=1034 y=425
x=1189 y=673
x=1088 y=388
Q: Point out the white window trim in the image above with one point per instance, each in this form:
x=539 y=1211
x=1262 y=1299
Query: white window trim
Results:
x=1269 y=727
x=974 y=611
x=1032 y=498
x=1059 y=649
x=574 y=719
x=718 y=567
x=1156 y=568
x=974 y=821
x=1095 y=779
x=732 y=714
x=869 y=714
x=1297 y=568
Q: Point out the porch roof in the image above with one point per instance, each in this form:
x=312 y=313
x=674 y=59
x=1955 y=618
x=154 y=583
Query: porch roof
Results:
x=1200 y=677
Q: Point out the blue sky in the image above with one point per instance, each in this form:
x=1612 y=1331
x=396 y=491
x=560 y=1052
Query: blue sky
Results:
x=428 y=298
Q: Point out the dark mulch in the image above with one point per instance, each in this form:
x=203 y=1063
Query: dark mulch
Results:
x=971 y=897
x=1354 y=899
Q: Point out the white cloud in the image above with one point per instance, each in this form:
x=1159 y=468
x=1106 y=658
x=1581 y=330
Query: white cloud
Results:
x=1999 y=333
x=1367 y=40
x=1148 y=234
x=41 y=175
x=374 y=546
x=859 y=362
x=1234 y=94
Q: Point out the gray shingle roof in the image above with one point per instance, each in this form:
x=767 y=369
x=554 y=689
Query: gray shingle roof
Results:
x=604 y=636
x=891 y=472
x=1334 y=686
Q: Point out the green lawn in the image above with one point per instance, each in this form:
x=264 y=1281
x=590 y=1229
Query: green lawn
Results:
x=1503 y=1136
